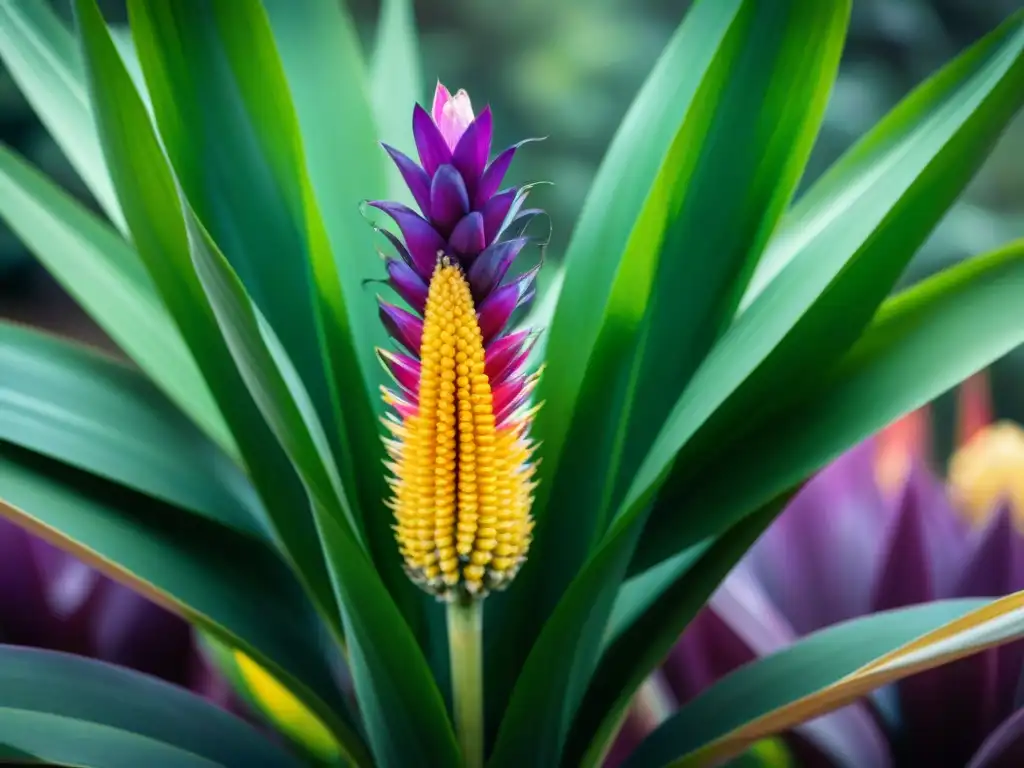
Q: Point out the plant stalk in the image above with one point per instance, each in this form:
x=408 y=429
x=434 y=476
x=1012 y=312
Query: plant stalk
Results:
x=465 y=648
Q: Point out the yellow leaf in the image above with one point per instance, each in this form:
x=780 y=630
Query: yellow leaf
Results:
x=286 y=711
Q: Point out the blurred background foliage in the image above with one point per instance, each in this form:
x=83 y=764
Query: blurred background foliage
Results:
x=567 y=70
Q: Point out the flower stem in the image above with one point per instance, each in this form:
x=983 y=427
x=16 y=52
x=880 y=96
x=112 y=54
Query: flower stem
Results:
x=465 y=647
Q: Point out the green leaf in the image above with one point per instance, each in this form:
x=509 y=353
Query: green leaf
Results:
x=396 y=83
x=55 y=740
x=226 y=583
x=209 y=137
x=403 y=710
x=600 y=237
x=861 y=225
x=95 y=413
x=319 y=49
x=320 y=52
x=262 y=693
x=41 y=56
x=824 y=671
x=153 y=210
x=70 y=710
x=215 y=149
x=639 y=647
x=104 y=275
x=966 y=312
x=638 y=594
x=198 y=57
x=755 y=91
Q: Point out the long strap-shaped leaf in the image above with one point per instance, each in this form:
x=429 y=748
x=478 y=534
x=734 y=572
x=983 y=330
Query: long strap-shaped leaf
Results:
x=104 y=275
x=614 y=203
x=404 y=713
x=153 y=210
x=756 y=90
x=41 y=56
x=633 y=655
x=225 y=582
x=967 y=311
x=344 y=166
x=825 y=671
x=199 y=58
x=850 y=243
x=68 y=710
x=96 y=413
x=396 y=84
x=229 y=181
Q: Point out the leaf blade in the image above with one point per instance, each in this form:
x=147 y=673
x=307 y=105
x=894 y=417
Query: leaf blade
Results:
x=405 y=716
x=98 y=414
x=180 y=565
x=323 y=150
x=100 y=270
x=897 y=348
x=396 y=82
x=817 y=306
x=837 y=665
x=41 y=56
x=757 y=85
x=38 y=686
x=153 y=211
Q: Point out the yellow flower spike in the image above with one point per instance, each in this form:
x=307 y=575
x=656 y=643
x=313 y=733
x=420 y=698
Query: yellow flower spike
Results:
x=462 y=482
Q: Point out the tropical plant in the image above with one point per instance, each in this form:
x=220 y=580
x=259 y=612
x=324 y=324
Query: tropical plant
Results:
x=843 y=549
x=707 y=348
x=51 y=600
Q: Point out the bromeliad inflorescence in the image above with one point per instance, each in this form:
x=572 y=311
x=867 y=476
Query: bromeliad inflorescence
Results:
x=462 y=479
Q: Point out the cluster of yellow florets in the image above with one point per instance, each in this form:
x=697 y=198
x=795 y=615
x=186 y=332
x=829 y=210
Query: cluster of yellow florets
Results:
x=462 y=484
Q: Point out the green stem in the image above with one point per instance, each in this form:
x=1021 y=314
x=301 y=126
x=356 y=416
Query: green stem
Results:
x=465 y=647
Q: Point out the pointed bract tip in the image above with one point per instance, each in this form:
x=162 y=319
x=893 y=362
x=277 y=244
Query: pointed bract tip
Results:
x=441 y=97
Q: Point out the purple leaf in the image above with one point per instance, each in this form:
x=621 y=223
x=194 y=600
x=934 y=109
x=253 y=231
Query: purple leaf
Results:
x=471 y=153
x=404 y=327
x=992 y=568
x=496 y=310
x=494 y=174
x=133 y=632
x=449 y=200
x=950 y=709
x=495 y=211
x=848 y=736
x=1004 y=747
x=946 y=533
x=509 y=393
x=407 y=284
x=467 y=238
x=23 y=590
x=399 y=246
x=422 y=240
x=818 y=559
x=490 y=267
x=503 y=351
x=415 y=178
x=905 y=577
x=989 y=569
x=404 y=369
x=430 y=144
